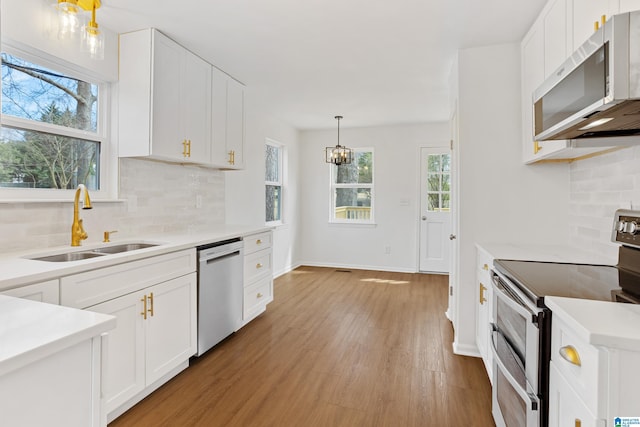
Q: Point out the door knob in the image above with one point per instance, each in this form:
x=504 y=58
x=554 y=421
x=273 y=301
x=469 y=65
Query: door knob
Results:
x=452 y=236
x=424 y=217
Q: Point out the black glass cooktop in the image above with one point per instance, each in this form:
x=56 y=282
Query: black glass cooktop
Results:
x=540 y=279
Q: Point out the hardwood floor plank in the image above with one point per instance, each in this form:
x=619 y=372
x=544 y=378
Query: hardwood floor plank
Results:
x=335 y=348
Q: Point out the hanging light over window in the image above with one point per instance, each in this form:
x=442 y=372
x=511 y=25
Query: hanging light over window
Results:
x=70 y=25
x=339 y=154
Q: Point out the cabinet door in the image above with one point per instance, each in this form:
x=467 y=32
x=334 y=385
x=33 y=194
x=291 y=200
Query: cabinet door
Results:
x=196 y=107
x=171 y=325
x=629 y=5
x=532 y=60
x=235 y=123
x=125 y=350
x=565 y=408
x=43 y=292
x=556 y=33
x=585 y=14
x=167 y=117
x=219 y=118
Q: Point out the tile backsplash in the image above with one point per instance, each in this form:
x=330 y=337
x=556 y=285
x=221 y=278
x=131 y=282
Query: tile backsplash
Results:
x=599 y=186
x=158 y=198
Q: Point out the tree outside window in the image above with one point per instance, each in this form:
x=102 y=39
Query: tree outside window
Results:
x=352 y=189
x=439 y=183
x=49 y=137
x=273 y=182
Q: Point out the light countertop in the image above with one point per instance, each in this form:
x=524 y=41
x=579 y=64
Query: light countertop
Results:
x=17 y=270
x=600 y=323
x=546 y=253
x=31 y=330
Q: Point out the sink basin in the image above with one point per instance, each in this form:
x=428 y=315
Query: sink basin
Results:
x=123 y=248
x=69 y=256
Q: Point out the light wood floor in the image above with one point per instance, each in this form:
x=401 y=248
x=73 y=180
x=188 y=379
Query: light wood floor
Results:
x=359 y=348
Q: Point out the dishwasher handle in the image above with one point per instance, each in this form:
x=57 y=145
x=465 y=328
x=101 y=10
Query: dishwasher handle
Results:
x=220 y=251
x=218 y=257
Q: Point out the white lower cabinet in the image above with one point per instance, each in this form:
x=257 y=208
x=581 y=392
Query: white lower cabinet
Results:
x=156 y=332
x=258 y=275
x=484 y=314
x=565 y=407
x=48 y=292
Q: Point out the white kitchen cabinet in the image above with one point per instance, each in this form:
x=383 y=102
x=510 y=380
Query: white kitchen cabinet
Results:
x=628 y=5
x=156 y=332
x=557 y=45
x=532 y=72
x=484 y=315
x=154 y=301
x=48 y=292
x=227 y=121
x=565 y=407
x=585 y=14
x=164 y=100
x=258 y=274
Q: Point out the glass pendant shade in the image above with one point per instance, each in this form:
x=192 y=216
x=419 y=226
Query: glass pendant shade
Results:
x=92 y=41
x=339 y=154
x=68 y=19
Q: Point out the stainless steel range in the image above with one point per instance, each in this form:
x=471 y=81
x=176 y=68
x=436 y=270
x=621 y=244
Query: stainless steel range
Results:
x=521 y=333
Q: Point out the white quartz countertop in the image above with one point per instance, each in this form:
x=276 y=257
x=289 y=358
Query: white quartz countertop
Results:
x=31 y=330
x=546 y=253
x=17 y=270
x=600 y=323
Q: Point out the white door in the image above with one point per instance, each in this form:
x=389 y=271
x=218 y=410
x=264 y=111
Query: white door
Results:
x=435 y=209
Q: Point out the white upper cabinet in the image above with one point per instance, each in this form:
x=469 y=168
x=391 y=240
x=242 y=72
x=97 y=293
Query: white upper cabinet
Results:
x=629 y=5
x=556 y=40
x=228 y=122
x=532 y=69
x=585 y=14
x=164 y=100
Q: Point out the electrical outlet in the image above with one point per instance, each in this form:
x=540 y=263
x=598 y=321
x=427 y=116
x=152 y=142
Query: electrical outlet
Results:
x=387 y=250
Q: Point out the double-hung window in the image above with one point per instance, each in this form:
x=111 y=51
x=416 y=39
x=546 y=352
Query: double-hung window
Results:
x=53 y=129
x=352 y=189
x=273 y=182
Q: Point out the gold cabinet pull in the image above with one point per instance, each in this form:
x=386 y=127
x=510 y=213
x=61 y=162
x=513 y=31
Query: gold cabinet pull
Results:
x=536 y=147
x=184 y=148
x=259 y=295
x=188 y=148
x=258 y=242
x=151 y=304
x=232 y=157
x=259 y=265
x=144 y=307
x=485 y=267
x=578 y=423
x=482 y=298
x=570 y=354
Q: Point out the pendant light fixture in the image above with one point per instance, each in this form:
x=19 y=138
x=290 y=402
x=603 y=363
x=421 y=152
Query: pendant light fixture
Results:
x=70 y=16
x=92 y=38
x=339 y=154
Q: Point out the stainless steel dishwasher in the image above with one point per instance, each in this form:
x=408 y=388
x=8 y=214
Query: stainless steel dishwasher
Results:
x=220 y=291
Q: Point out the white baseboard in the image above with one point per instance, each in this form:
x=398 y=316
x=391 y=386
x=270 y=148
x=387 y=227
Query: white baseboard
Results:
x=359 y=267
x=466 y=349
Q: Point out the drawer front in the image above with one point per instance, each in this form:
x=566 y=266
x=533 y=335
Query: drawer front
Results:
x=256 y=266
x=44 y=292
x=565 y=408
x=256 y=297
x=484 y=260
x=257 y=242
x=588 y=377
x=93 y=287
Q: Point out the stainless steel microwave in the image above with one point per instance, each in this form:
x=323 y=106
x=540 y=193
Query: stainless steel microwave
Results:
x=596 y=92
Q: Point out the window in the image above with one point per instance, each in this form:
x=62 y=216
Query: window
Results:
x=53 y=125
x=438 y=182
x=273 y=182
x=352 y=189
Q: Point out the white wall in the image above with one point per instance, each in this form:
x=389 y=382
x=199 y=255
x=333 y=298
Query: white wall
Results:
x=599 y=186
x=396 y=179
x=245 y=203
x=501 y=199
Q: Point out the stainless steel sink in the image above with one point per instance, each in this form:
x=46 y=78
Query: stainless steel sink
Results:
x=69 y=256
x=123 y=248
x=92 y=253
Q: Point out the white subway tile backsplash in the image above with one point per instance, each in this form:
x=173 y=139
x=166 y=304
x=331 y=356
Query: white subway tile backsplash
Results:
x=160 y=198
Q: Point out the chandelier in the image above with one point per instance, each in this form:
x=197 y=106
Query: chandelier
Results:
x=339 y=154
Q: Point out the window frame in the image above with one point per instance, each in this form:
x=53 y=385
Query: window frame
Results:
x=279 y=183
x=108 y=161
x=333 y=186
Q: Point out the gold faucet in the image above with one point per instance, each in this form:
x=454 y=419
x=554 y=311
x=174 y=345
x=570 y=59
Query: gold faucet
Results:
x=77 y=231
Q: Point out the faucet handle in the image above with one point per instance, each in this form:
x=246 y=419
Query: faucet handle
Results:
x=107 y=235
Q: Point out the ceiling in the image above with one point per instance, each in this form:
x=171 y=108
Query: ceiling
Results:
x=374 y=62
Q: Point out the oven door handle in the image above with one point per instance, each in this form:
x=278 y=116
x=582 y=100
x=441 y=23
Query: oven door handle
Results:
x=527 y=394
x=519 y=308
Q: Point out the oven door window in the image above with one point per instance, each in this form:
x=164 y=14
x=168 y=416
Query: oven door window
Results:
x=512 y=407
x=513 y=326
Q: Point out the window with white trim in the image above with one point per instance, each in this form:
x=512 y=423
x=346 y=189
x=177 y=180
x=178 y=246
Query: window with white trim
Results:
x=53 y=128
x=273 y=182
x=352 y=189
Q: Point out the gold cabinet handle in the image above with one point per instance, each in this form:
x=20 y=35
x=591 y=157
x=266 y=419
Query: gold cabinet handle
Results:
x=259 y=295
x=570 y=354
x=258 y=242
x=482 y=298
x=578 y=423
x=536 y=147
x=184 y=148
x=485 y=267
x=232 y=157
x=259 y=265
x=151 y=304
x=188 y=148
x=144 y=307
